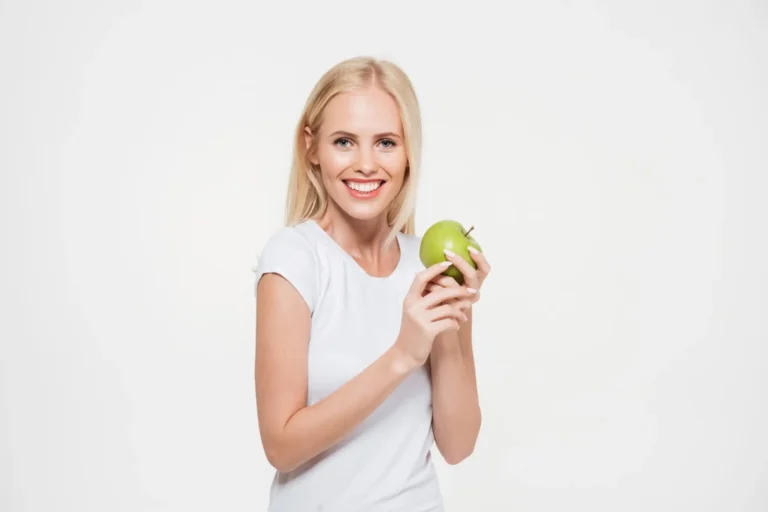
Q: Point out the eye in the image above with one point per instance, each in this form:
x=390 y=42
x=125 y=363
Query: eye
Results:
x=388 y=143
x=343 y=142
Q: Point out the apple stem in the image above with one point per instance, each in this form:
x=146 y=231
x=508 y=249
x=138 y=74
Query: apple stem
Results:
x=470 y=230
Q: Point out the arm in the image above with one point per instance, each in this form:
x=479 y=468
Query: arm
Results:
x=455 y=404
x=291 y=432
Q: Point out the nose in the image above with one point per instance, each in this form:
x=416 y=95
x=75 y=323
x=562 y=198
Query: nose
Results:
x=366 y=162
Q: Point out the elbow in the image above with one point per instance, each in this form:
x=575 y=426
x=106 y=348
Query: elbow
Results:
x=279 y=459
x=459 y=450
x=279 y=455
x=456 y=452
x=452 y=461
x=454 y=457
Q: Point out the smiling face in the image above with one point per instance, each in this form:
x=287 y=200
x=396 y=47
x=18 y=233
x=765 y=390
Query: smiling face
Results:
x=360 y=151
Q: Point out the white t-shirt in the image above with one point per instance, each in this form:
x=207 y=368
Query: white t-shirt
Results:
x=385 y=464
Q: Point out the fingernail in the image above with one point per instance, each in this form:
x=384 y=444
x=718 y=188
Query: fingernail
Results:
x=446 y=263
x=471 y=290
x=450 y=254
x=473 y=250
x=465 y=318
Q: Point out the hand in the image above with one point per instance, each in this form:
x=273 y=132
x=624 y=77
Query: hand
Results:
x=427 y=315
x=472 y=278
x=442 y=281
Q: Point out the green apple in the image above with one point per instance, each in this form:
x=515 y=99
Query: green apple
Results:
x=451 y=235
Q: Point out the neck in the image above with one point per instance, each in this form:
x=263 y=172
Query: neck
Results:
x=361 y=238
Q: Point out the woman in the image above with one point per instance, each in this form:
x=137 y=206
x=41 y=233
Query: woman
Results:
x=363 y=356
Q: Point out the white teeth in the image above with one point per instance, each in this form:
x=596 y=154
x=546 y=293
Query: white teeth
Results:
x=364 y=187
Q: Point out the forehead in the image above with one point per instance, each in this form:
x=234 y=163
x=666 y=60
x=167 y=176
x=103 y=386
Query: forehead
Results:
x=362 y=111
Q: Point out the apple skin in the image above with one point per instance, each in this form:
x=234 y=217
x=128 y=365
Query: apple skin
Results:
x=451 y=235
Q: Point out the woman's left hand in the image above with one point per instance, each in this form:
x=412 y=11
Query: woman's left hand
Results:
x=473 y=278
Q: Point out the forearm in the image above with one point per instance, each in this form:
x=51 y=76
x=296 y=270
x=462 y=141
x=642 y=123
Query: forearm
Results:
x=455 y=405
x=315 y=428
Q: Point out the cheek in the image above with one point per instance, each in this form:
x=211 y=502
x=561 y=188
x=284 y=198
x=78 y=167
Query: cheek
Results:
x=332 y=162
x=395 y=164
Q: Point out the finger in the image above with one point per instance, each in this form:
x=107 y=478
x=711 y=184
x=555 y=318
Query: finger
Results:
x=482 y=262
x=446 y=311
x=423 y=278
x=446 y=325
x=463 y=305
x=445 y=294
x=470 y=274
x=446 y=281
x=432 y=288
x=429 y=289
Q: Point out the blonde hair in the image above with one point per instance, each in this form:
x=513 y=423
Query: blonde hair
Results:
x=306 y=195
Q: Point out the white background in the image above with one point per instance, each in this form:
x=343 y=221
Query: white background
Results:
x=612 y=156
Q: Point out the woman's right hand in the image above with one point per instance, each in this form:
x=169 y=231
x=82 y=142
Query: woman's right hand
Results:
x=427 y=315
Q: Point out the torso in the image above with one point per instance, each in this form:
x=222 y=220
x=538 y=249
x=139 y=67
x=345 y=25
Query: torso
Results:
x=385 y=463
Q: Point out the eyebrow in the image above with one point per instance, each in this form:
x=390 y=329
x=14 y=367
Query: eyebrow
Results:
x=353 y=136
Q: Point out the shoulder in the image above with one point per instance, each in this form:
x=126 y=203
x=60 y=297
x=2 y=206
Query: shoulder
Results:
x=291 y=254
x=288 y=241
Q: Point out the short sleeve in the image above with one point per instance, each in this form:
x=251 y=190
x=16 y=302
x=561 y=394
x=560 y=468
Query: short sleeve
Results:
x=290 y=255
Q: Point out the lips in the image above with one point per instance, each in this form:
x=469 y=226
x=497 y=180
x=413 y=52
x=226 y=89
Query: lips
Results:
x=364 y=189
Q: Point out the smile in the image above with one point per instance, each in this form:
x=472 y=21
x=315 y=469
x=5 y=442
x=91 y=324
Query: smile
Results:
x=364 y=190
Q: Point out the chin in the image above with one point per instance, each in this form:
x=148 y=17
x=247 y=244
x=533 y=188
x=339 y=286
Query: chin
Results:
x=363 y=212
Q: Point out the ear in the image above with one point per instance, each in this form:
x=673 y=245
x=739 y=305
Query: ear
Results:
x=308 y=144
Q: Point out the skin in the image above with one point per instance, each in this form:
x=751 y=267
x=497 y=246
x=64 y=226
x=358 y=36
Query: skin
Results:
x=361 y=138
x=455 y=400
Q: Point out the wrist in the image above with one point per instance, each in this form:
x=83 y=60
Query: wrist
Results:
x=446 y=344
x=447 y=340
x=402 y=361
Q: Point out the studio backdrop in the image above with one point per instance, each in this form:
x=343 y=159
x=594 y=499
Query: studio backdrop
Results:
x=612 y=157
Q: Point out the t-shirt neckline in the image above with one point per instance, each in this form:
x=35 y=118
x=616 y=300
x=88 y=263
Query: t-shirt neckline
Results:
x=330 y=241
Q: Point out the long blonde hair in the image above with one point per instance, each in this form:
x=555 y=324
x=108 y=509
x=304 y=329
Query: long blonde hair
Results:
x=307 y=198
